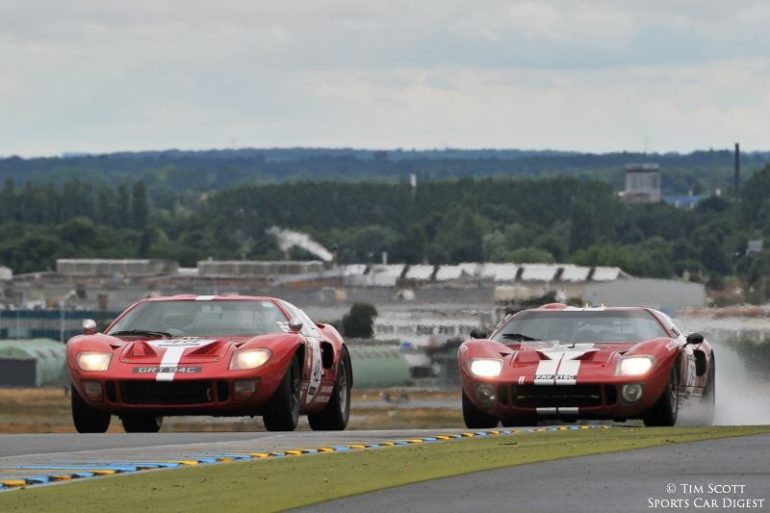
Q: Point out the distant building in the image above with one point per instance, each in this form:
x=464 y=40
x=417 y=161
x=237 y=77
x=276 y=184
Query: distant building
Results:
x=6 y=274
x=101 y=267
x=755 y=246
x=667 y=295
x=683 y=201
x=642 y=183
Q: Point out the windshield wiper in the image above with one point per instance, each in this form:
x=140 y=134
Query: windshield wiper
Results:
x=519 y=336
x=152 y=333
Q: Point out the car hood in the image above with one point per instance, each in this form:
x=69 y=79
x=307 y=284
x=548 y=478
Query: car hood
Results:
x=530 y=353
x=198 y=349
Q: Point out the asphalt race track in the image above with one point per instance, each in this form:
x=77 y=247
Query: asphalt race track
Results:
x=632 y=481
x=22 y=456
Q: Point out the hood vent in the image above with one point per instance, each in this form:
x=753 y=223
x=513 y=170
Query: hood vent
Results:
x=140 y=350
x=212 y=349
x=525 y=357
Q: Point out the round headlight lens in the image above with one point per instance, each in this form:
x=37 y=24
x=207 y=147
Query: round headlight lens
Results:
x=486 y=367
x=635 y=365
x=249 y=359
x=93 y=362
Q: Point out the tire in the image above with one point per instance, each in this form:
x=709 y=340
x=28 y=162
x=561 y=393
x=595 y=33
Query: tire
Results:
x=86 y=418
x=475 y=418
x=666 y=409
x=142 y=423
x=519 y=421
x=282 y=410
x=337 y=412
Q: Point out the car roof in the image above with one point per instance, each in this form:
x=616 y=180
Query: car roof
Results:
x=561 y=307
x=222 y=297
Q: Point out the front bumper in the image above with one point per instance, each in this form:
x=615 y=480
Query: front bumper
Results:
x=583 y=400
x=200 y=396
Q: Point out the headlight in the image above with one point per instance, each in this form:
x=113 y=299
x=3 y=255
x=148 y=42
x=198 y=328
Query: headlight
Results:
x=486 y=367
x=249 y=359
x=94 y=362
x=634 y=365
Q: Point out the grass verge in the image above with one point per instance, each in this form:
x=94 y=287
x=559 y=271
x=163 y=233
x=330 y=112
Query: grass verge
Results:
x=274 y=485
x=47 y=410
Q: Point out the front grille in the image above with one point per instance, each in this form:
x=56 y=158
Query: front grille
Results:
x=167 y=392
x=111 y=393
x=550 y=396
x=224 y=390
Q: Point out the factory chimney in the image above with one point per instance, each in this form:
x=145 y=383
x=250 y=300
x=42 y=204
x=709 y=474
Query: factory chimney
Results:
x=737 y=177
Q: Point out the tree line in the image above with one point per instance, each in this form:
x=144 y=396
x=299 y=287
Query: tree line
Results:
x=492 y=219
x=167 y=173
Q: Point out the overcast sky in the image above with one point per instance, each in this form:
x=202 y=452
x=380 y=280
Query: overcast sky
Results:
x=108 y=75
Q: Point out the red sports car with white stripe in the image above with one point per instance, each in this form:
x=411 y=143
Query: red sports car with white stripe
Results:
x=210 y=355
x=561 y=362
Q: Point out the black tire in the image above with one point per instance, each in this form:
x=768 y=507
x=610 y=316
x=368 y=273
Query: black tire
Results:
x=475 y=418
x=519 y=421
x=282 y=410
x=666 y=409
x=86 y=418
x=337 y=412
x=141 y=423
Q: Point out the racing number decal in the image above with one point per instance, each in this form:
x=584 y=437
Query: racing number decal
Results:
x=689 y=380
x=315 y=368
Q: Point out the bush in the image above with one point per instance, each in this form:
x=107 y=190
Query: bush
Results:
x=359 y=322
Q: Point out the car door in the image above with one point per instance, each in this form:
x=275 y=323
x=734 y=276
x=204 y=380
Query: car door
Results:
x=687 y=374
x=313 y=372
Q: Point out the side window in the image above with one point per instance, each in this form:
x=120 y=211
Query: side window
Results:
x=308 y=327
x=670 y=324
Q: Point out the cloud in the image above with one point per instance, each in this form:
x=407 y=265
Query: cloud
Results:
x=588 y=75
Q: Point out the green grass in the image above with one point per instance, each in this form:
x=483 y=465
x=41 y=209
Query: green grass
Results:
x=273 y=485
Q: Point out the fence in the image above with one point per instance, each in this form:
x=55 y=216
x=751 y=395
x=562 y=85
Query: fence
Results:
x=54 y=324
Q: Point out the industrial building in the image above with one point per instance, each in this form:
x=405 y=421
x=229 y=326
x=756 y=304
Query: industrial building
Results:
x=642 y=183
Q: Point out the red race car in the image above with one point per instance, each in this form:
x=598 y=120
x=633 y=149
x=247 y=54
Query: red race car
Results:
x=210 y=355
x=561 y=362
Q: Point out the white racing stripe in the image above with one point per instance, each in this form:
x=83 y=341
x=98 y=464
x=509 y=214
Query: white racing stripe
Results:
x=569 y=367
x=170 y=359
x=562 y=368
x=546 y=372
x=568 y=371
x=175 y=349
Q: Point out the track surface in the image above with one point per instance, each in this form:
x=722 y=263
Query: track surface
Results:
x=26 y=455
x=613 y=483
x=45 y=446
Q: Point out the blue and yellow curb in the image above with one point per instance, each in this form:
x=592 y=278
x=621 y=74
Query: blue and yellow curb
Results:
x=58 y=473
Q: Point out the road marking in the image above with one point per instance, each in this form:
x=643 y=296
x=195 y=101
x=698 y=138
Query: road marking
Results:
x=66 y=473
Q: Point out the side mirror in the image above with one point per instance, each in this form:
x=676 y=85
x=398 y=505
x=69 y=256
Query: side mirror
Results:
x=478 y=333
x=295 y=325
x=694 y=338
x=89 y=326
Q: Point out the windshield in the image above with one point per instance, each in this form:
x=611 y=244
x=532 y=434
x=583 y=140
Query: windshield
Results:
x=575 y=327
x=200 y=318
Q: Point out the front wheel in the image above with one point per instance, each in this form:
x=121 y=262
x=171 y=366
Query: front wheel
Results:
x=475 y=418
x=665 y=410
x=337 y=412
x=86 y=418
x=141 y=423
x=282 y=410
